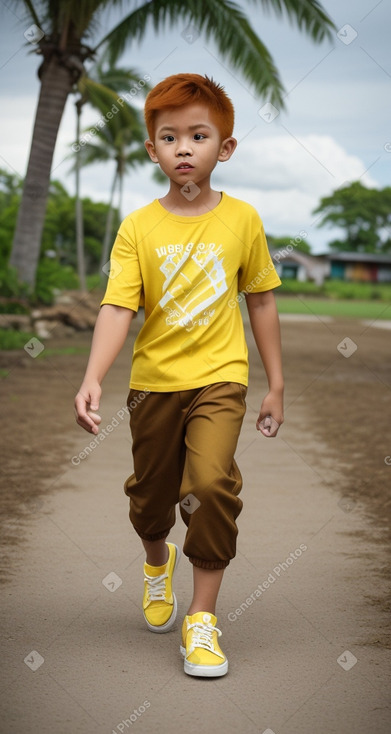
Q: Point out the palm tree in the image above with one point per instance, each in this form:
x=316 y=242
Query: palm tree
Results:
x=98 y=89
x=67 y=26
x=122 y=142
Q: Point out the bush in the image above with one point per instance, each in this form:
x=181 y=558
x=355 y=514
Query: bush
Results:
x=94 y=282
x=13 y=339
x=338 y=290
x=10 y=286
x=52 y=276
x=292 y=286
x=341 y=289
x=14 y=306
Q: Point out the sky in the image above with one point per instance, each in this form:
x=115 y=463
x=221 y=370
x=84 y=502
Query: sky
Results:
x=335 y=128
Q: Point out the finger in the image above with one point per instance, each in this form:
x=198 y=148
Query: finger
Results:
x=87 y=423
x=83 y=418
x=94 y=417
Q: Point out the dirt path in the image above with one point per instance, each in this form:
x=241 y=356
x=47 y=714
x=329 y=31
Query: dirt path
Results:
x=301 y=607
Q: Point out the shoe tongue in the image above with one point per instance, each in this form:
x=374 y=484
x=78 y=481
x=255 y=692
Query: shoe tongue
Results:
x=154 y=570
x=204 y=617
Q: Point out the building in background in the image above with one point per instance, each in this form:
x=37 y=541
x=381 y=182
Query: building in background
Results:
x=356 y=267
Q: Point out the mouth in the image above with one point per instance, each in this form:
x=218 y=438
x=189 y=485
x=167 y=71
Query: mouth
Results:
x=184 y=167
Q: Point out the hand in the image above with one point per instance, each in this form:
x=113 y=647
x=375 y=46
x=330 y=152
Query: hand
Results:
x=271 y=415
x=86 y=402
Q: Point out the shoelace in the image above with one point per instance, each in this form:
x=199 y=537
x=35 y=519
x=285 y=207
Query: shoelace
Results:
x=156 y=587
x=202 y=635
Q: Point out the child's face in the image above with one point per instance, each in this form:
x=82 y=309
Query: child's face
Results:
x=188 y=144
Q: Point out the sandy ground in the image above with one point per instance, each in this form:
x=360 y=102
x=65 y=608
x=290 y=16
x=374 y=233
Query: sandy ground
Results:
x=310 y=654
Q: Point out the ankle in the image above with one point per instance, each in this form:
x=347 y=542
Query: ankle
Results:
x=157 y=556
x=195 y=608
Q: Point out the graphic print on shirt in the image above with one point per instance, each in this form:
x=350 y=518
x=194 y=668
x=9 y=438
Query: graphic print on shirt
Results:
x=194 y=281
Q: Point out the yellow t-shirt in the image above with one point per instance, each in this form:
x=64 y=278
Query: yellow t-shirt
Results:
x=189 y=272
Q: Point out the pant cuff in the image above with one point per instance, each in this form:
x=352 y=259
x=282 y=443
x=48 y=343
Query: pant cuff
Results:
x=212 y=565
x=154 y=536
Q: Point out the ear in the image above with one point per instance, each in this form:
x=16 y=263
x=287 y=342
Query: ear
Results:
x=151 y=151
x=227 y=148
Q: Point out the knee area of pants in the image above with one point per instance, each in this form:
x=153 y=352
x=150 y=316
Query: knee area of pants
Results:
x=206 y=493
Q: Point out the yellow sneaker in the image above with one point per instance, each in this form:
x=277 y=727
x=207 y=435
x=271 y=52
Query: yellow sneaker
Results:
x=200 y=648
x=159 y=602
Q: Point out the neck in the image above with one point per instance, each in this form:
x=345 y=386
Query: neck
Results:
x=190 y=199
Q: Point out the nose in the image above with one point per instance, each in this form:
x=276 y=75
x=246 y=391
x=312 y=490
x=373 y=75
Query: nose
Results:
x=184 y=148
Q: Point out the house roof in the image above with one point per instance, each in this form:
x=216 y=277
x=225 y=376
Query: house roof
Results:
x=358 y=257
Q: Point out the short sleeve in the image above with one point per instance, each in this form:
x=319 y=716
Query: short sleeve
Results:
x=257 y=272
x=124 y=286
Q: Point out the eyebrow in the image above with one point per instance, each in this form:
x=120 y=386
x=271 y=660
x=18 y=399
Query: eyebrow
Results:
x=170 y=128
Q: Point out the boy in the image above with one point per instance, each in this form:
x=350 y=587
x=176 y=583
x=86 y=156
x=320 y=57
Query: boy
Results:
x=186 y=257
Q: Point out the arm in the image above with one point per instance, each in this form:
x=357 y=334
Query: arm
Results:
x=265 y=326
x=111 y=329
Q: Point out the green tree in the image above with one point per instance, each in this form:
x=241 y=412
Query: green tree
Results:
x=364 y=214
x=297 y=242
x=100 y=89
x=123 y=143
x=62 y=35
x=58 y=258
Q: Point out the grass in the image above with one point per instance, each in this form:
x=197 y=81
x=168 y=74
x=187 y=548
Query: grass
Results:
x=63 y=351
x=10 y=339
x=327 y=307
x=338 y=289
x=13 y=339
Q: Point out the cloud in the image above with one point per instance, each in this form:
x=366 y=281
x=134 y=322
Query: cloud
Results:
x=311 y=164
x=285 y=177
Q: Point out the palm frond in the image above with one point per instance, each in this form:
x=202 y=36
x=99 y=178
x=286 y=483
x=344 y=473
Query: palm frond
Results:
x=307 y=15
x=226 y=24
x=115 y=113
x=33 y=13
x=221 y=20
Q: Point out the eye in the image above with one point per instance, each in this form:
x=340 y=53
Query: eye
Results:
x=168 y=138
x=199 y=136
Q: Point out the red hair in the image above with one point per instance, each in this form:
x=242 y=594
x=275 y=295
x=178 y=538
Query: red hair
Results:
x=184 y=89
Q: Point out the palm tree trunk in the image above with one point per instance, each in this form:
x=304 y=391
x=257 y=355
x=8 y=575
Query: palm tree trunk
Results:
x=81 y=271
x=55 y=87
x=109 y=224
x=120 y=193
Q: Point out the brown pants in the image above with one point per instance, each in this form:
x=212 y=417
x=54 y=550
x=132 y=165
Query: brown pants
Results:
x=183 y=451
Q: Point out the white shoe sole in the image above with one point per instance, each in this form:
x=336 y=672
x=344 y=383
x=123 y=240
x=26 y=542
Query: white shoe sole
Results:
x=204 y=671
x=162 y=628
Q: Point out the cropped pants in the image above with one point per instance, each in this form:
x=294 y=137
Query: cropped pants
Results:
x=183 y=452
